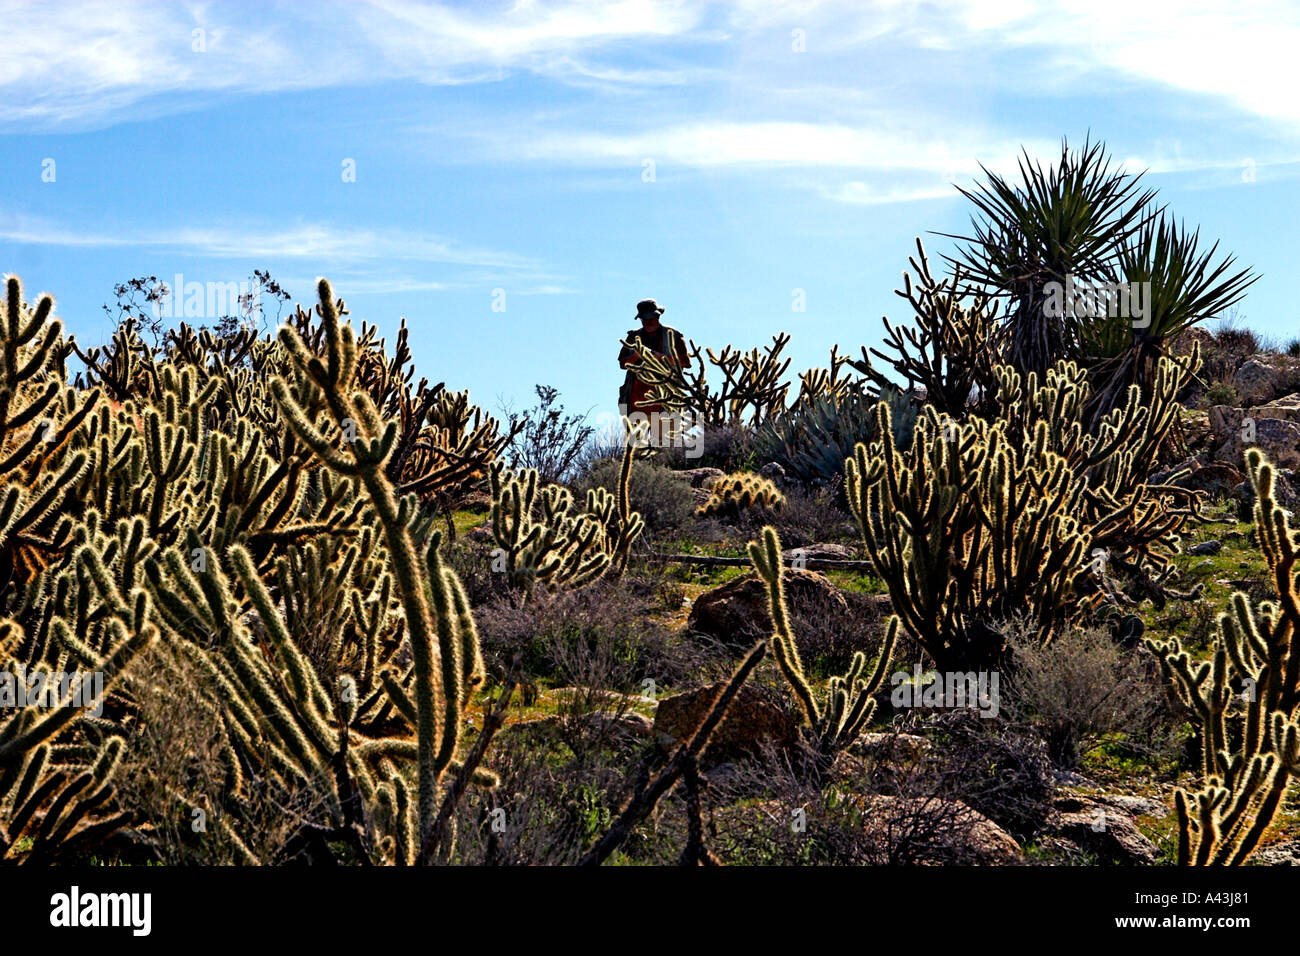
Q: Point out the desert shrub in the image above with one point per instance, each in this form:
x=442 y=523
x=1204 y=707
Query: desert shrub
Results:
x=1237 y=342
x=1293 y=348
x=1080 y=689
x=548 y=440
x=812 y=516
x=727 y=445
x=661 y=496
x=550 y=630
x=560 y=786
x=996 y=768
x=1221 y=393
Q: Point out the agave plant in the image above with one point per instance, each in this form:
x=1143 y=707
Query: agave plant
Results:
x=1070 y=220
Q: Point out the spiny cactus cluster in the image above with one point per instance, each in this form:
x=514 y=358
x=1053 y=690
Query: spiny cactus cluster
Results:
x=732 y=494
x=558 y=547
x=751 y=383
x=838 y=715
x=1245 y=701
x=230 y=506
x=983 y=520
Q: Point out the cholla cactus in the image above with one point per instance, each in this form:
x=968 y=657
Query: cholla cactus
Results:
x=732 y=494
x=556 y=547
x=443 y=642
x=234 y=510
x=838 y=715
x=968 y=528
x=1245 y=701
x=751 y=382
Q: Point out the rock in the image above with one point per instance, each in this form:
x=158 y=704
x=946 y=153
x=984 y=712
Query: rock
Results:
x=1286 y=408
x=1225 y=422
x=944 y=831
x=1286 y=853
x=1136 y=806
x=817 y=552
x=1102 y=829
x=736 y=613
x=774 y=473
x=751 y=720
x=1283 y=491
x=1206 y=547
x=1235 y=431
x=702 y=477
x=891 y=748
x=1259 y=379
x=1278 y=439
x=481 y=533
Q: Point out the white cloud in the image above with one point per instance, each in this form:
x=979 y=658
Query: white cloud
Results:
x=81 y=64
x=313 y=241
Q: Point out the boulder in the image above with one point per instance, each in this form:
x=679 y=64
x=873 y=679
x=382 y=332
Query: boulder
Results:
x=818 y=552
x=937 y=830
x=905 y=749
x=1259 y=379
x=1225 y=422
x=1102 y=829
x=1234 y=431
x=751 y=721
x=1206 y=547
x=736 y=613
x=775 y=473
x=702 y=477
x=1286 y=408
x=1283 y=491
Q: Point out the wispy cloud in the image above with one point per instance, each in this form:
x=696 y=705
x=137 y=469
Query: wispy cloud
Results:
x=316 y=242
x=85 y=64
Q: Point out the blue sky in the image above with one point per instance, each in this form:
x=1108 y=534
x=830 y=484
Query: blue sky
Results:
x=795 y=146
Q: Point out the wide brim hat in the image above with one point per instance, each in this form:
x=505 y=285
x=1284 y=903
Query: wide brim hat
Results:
x=648 y=307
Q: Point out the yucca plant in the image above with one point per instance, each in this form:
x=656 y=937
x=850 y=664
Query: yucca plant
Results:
x=1185 y=285
x=1071 y=219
